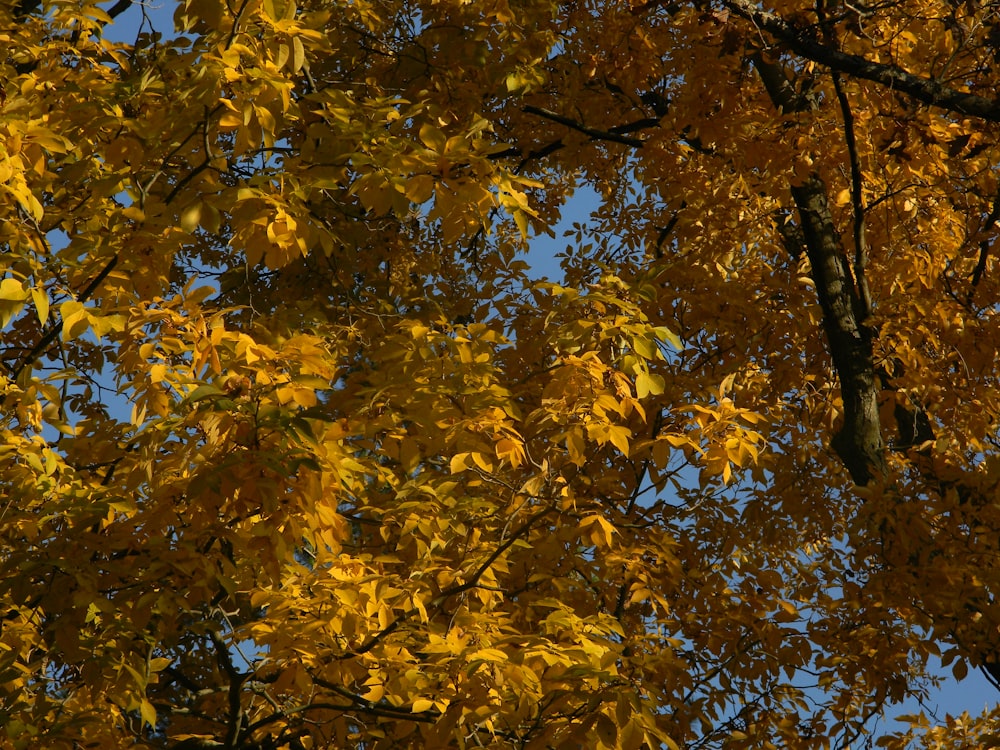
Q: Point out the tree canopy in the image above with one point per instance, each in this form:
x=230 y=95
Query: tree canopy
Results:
x=297 y=450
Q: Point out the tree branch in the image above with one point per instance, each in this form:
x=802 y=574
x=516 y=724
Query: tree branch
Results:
x=859 y=441
x=783 y=95
x=236 y=679
x=451 y=591
x=118 y=8
x=864 y=302
x=597 y=135
x=926 y=90
x=49 y=336
x=984 y=251
x=358 y=703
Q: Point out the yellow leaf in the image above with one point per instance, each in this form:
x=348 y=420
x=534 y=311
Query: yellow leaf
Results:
x=482 y=461
x=422 y=704
x=459 y=462
x=41 y=300
x=490 y=655
x=607 y=732
x=190 y=217
x=648 y=384
x=433 y=137
x=576 y=447
x=147 y=712
x=75 y=319
x=598 y=530
x=420 y=188
x=619 y=436
x=665 y=334
x=13 y=290
x=298 y=54
x=960 y=669
x=158 y=664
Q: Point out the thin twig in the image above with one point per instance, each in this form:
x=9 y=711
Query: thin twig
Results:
x=984 y=250
x=596 y=134
x=57 y=327
x=857 y=204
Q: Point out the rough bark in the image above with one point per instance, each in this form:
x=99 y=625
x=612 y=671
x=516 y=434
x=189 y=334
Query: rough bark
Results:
x=859 y=441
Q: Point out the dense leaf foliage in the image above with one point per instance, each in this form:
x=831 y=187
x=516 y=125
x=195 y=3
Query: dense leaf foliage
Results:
x=297 y=451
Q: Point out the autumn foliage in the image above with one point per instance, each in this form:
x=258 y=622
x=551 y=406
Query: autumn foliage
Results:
x=297 y=450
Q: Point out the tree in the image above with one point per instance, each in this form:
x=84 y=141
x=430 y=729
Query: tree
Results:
x=297 y=452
